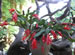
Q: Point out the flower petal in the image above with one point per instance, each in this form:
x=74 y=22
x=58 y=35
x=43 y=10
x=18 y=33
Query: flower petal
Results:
x=34 y=44
x=14 y=17
x=54 y=34
x=48 y=40
x=36 y=16
x=11 y=10
x=43 y=39
x=67 y=27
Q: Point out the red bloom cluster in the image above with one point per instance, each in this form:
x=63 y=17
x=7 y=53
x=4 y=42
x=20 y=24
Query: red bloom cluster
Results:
x=14 y=16
x=67 y=27
x=4 y=23
x=27 y=33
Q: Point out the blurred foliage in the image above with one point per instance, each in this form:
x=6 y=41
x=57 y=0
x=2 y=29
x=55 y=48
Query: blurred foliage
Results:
x=8 y=31
x=3 y=32
x=73 y=5
x=12 y=30
x=5 y=11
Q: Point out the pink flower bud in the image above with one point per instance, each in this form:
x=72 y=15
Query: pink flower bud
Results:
x=36 y=16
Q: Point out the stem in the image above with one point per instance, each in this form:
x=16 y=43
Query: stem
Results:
x=30 y=27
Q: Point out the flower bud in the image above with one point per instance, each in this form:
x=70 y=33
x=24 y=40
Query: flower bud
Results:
x=54 y=34
x=34 y=44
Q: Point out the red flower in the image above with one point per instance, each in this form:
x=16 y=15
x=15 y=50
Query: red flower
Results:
x=48 y=40
x=14 y=17
x=36 y=16
x=42 y=49
x=36 y=25
x=67 y=27
x=43 y=39
x=27 y=32
x=54 y=34
x=34 y=44
x=5 y=23
x=32 y=35
x=24 y=37
x=11 y=10
x=60 y=33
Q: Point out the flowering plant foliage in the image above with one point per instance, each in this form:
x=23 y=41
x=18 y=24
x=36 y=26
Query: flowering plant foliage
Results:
x=37 y=29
